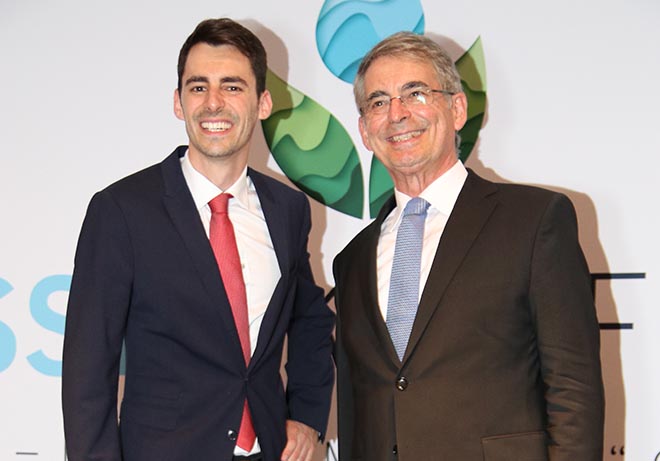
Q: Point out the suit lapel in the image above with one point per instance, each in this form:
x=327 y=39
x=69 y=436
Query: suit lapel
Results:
x=181 y=208
x=369 y=278
x=473 y=207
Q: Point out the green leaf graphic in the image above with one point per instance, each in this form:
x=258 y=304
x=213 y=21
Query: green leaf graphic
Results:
x=380 y=186
x=313 y=149
x=472 y=68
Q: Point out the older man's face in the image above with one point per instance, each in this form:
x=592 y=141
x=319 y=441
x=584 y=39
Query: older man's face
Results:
x=411 y=139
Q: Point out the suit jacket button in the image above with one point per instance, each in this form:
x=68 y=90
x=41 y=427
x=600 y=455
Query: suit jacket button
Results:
x=232 y=435
x=402 y=383
x=395 y=450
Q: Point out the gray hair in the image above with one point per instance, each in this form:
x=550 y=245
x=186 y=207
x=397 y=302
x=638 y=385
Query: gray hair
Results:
x=413 y=46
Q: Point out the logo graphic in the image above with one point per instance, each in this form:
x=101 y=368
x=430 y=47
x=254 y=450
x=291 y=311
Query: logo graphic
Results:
x=312 y=147
x=347 y=29
x=7 y=337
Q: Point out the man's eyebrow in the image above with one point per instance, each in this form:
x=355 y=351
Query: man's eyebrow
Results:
x=234 y=79
x=414 y=84
x=376 y=94
x=228 y=79
x=405 y=86
x=196 y=79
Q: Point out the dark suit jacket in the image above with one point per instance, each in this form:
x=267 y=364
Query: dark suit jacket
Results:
x=503 y=359
x=145 y=273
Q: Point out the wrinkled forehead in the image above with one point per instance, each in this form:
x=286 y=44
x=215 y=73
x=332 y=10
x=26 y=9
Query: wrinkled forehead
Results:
x=397 y=73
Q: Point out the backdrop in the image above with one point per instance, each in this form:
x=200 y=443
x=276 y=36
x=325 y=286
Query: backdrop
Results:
x=563 y=95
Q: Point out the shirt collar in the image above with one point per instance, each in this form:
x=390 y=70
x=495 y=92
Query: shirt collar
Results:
x=203 y=190
x=441 y=193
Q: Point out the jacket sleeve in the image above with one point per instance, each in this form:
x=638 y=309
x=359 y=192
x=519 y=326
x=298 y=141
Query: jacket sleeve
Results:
x=95 y=322
x=345 y=416
x=568 y=337
x=310 y=369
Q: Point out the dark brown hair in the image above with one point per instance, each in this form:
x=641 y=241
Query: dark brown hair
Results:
x=224 y=31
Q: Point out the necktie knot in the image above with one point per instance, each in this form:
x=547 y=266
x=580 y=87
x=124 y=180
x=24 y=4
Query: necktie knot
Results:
x=220 y=203
x=416 y=206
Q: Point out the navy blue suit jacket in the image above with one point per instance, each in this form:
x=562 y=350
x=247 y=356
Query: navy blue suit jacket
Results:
x=145 y=274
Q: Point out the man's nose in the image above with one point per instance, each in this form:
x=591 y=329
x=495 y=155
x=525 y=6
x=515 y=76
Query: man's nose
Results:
x=214 y=100
x=397 y=110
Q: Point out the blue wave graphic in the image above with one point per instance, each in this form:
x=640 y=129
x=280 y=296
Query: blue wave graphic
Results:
x=347 y=29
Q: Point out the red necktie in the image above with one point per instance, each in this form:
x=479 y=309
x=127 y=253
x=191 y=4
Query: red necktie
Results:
x=223 y=242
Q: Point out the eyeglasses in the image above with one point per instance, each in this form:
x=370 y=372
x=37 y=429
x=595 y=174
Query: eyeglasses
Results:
x=413 y=97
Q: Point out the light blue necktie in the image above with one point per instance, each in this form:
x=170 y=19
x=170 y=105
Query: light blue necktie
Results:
x=404 y=283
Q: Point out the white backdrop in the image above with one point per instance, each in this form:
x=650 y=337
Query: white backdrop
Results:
x=87 y=99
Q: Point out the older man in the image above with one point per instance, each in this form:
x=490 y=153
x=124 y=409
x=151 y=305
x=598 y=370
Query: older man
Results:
x=465 y=320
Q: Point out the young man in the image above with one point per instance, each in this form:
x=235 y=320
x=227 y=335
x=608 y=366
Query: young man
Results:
x=202 y=302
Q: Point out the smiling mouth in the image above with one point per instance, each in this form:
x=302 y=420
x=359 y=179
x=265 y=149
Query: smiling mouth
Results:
x=215 y=127
x=405 y=136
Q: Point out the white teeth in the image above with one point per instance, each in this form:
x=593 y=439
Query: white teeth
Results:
x=216 y=126
x=405 y=136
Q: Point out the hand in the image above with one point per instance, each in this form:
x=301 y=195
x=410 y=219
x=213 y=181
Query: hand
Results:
x=300 y=442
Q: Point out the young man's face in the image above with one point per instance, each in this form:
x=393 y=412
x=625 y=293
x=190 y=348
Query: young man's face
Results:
x=218 y=102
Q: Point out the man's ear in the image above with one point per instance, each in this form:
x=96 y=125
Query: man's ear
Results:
x=459 y=108
x=363 y=133
x=265 y=105
x=178 y=110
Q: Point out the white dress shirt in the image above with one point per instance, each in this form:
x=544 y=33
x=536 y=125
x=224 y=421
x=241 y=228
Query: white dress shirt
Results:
x=441 y=195
x=261 y=271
